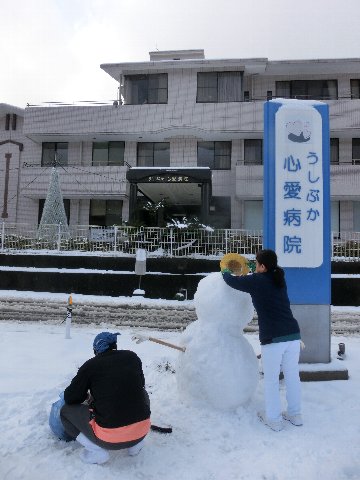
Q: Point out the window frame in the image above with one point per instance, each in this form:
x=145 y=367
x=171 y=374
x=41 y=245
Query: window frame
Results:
x=108 y=144
x=146 y=77
x=56 y=145
x=356 y=216
x=155 y=162
x=105 y=222
x=334 y=151
x=253 y=215
x=213 y=163
x=355 y=160
x=355 y=88
x=249 y=161
x=286 y=89
x=216 y=90
x=220 y=211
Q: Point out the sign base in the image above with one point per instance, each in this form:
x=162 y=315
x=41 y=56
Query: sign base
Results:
x=314 y=322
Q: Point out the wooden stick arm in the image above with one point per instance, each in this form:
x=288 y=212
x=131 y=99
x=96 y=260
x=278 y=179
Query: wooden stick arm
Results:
x=167 y=344
x=139 y=338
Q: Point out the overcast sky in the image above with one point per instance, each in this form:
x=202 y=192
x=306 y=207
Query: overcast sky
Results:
x=51 y=50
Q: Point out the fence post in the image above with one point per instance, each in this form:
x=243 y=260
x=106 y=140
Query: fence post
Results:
x=68 y=318
x=226 y=240
x=171 y=242
x=3 y=236
x=115 y=237
x=59 y=237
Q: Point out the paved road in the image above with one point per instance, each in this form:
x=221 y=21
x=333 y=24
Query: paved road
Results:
x=174 y=316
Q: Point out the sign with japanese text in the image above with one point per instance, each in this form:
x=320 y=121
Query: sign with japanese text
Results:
x=169 y=178
x=297 y=195
x=298 y=187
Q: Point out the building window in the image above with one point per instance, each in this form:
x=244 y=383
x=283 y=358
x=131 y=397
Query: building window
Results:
x=220 y=212
x=356 y=216
x=355 y=88
x=13 y=123
x=142 y=89
x=215 y=155
x=356 y=151
x=219 y=87
x=307 y=89
x=253 y=151
x=335 y=217
x=13 y=118
x=54 y=154
x=253 y=214
x=66 y=207
x=108 y=154
x=105 y=213
x=153 y=154
x=334 y=151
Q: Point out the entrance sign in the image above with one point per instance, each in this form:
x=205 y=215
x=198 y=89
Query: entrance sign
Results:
x=168 y=178
x=299 y=191
x=297 y=209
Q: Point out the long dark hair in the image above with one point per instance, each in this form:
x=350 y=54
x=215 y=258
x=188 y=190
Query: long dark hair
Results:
x=268 y=258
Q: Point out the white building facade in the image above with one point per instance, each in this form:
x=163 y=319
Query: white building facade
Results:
x=184 y=130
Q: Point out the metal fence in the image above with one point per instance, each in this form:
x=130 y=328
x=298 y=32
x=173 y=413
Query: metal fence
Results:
x=158 y=242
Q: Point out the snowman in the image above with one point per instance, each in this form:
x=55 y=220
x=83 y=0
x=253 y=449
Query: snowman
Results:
x=218 y=367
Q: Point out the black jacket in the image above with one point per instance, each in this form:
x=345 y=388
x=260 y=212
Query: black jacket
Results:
x=275 y=318
x=116 y=382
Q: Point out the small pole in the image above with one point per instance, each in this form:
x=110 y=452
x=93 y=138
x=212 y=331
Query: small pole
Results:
x=59 y=237
x=68 y=317
x=2 y=235
x=115 y=237
x=171 y=242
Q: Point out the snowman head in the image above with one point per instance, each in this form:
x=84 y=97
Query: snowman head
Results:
x=217 y=303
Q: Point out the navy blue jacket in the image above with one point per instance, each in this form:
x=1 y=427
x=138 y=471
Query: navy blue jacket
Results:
x=276 y=321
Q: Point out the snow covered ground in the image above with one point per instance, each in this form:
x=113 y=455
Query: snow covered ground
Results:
x=37 y=362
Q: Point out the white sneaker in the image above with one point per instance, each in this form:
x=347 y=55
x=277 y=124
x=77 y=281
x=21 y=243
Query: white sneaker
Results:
x=135 y=449
x=276 y=426
x=92 y=453
x=294 y=419
x=92 y=456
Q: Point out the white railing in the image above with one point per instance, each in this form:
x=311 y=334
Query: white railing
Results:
x=346 y=246
x=158 y=242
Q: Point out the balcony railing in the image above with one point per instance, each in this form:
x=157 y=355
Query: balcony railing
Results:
x=158 y=242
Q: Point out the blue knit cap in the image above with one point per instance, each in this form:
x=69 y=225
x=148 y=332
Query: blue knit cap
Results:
x=103 y=340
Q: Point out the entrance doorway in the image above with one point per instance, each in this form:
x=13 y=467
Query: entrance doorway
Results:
x=158 y=195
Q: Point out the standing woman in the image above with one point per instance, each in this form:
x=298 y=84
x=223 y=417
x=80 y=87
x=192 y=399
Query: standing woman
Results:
x=279 y=336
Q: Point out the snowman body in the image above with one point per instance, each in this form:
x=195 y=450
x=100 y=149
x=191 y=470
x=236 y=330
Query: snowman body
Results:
x=219 y=367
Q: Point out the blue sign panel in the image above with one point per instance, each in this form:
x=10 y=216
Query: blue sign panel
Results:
x=297 y=196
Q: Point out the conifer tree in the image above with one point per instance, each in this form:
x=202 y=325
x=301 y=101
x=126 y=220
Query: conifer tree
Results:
x=53 y=216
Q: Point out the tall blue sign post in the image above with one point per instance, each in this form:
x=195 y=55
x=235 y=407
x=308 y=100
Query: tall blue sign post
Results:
x=297 y=213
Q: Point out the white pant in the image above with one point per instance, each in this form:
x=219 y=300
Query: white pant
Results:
x=285 y=356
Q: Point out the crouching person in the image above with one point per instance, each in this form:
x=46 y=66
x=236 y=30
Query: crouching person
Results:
x=106 y=404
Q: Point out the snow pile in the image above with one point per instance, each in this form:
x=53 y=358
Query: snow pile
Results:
x=37 y=362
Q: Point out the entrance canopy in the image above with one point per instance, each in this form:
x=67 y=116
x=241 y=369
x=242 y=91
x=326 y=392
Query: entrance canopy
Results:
x=177 y=186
